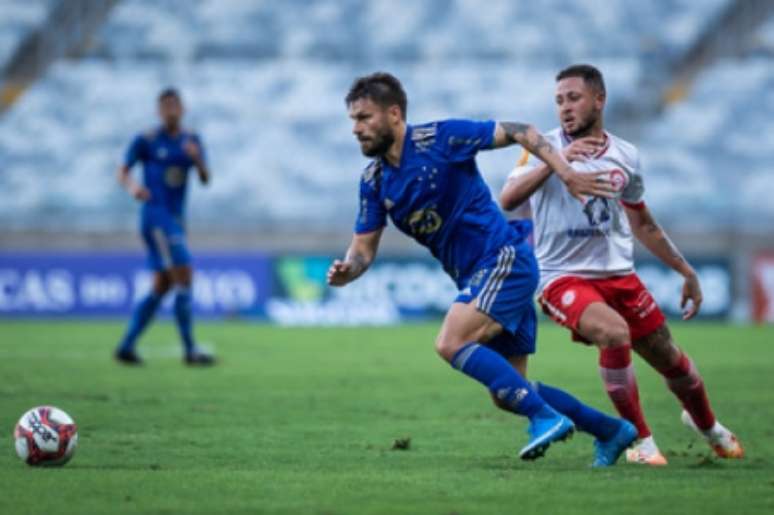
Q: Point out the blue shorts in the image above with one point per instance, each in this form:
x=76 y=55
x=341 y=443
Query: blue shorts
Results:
x=503 y=287
x=164 y=238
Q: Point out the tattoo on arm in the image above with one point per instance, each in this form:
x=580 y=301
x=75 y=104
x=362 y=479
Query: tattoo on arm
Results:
x=659 y=238
x=526 y=135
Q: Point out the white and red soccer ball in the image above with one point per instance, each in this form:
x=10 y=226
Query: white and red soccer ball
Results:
x=46 y=436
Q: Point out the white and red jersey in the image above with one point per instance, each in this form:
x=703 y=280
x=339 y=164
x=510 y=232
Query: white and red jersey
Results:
x=594 y=239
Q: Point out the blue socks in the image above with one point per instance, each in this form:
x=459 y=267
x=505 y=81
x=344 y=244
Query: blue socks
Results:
x=141 y=316
x=586 y=418
x=183 y=317
x=493 y=371
x=496 y=373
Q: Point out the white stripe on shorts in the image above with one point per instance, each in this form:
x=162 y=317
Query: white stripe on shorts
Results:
x=495 y=282
x=163 y=246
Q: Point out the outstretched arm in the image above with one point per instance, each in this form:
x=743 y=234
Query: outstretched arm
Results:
x=578 y=184
x=655 y=239
x=522 y=183
x=360 y=255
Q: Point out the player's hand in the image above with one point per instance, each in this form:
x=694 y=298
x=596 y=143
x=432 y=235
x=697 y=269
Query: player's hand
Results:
x=140 y=193
x=583 y=148
x=690 y=301
x=339 y=273
x=581 y=185
x=192 y=149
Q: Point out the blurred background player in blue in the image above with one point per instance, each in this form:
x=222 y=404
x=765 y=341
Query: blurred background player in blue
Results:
x=167 y=153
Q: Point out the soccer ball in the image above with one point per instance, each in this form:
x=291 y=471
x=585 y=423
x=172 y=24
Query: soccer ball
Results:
x=45 y=436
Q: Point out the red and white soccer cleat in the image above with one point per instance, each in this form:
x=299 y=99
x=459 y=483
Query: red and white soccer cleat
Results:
x=725 y=444
x=645 y=452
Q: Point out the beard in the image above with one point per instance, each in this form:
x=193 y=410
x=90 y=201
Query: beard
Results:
x=585 y=128
x=378 y=145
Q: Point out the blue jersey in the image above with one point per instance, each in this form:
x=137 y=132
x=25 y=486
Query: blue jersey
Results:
x=165 y=169
x=438 y=197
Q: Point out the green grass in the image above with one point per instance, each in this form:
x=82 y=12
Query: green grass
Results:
x=303 y=421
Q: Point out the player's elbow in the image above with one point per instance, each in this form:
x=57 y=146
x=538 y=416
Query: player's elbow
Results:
x=510 y=198
x=506 y=203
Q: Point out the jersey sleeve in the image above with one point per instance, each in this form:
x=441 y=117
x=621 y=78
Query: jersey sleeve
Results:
x=136 y=151
x=371 y=214
x=632 y=194
x=464 y=138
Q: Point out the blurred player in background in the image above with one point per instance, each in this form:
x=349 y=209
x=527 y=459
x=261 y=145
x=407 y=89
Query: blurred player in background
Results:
x=425 y=178
x=588 y=283
x=167 y=154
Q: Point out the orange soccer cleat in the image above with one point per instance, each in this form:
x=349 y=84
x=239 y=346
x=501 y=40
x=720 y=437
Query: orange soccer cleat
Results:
x=645 y=452
x=725 y=443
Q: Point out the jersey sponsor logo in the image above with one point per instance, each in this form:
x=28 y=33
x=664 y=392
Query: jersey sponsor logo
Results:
x=424 y=137
x=424 y=221
x=588 y=233
x=174 y=177
x=162 y=153
x=597 y=211
x=568 y=298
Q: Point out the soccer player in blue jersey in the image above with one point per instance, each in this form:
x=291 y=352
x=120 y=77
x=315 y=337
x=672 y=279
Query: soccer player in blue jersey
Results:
x=425 y=179
x=167 y=153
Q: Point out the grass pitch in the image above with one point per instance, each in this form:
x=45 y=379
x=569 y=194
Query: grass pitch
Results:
x=305 y=421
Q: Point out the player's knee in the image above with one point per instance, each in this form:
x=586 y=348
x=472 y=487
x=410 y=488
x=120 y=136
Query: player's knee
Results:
x=613 y=334
x=447 y=347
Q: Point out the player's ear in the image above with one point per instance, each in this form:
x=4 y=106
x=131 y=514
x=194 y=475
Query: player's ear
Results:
x=395 y=115
x=599 y=100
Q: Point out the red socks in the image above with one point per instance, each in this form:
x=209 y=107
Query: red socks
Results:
x=686 y=383
x=615 y=367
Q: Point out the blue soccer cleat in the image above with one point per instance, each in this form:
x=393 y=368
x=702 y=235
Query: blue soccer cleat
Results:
x=545 y=430
x=607 y=453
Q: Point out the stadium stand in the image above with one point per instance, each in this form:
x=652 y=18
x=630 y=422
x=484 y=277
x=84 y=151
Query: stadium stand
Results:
x=18 y=18
x=265 y=86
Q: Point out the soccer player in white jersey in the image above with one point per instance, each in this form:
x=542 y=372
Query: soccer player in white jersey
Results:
x=585 y=252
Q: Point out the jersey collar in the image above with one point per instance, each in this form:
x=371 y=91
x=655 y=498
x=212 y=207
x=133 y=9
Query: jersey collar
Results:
x=566 y=140
x=404 y=150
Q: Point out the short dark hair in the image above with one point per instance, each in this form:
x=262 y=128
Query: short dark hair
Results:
x=590 y=75
x=381 y=88
x=169 y=93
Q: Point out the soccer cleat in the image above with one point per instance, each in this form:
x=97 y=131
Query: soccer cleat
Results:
x=607 y=453
x=725 y=444
x=645 y=452
x=544 y=431
x=199 y=358
x=128 y=358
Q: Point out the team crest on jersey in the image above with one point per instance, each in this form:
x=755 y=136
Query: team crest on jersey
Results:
x=568 y=297
x=424 y=221
x=174 y=177
x=619 y=179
